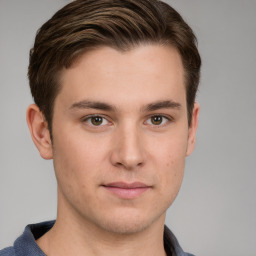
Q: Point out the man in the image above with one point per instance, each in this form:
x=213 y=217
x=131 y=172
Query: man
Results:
x=114 y=84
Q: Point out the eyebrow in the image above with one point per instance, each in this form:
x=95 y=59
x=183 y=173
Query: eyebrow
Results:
x=85 y=104
x=168 y=104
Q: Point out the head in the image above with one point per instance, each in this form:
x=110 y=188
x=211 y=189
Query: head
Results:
x=114 y=82
x=84 y=25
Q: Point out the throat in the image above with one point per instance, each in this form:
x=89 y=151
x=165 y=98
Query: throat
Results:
x=67 y=241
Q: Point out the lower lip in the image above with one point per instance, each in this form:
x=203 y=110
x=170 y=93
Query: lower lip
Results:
x=127 y=193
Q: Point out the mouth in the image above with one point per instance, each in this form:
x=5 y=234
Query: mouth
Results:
x=127 y=190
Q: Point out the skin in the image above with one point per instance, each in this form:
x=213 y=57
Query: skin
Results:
x=140 y=134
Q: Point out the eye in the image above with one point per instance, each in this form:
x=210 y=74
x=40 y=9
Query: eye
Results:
x=157 y=120
x=96 y=120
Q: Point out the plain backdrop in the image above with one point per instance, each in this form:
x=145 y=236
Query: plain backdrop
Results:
x=215 y=211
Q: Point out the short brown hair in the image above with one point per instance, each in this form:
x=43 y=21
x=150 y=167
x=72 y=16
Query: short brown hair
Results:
x=121 y=24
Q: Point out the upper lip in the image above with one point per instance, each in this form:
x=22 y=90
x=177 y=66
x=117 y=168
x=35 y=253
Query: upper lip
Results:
x=126 y=185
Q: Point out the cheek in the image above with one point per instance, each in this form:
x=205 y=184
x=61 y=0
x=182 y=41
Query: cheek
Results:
x=173 y=171
x=72 y=159
x=170 y=150
x=169 y=157
x=75 y=165
x=80 y=159
x=171 y=179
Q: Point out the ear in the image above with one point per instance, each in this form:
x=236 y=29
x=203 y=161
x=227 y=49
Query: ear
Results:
x=192 y=129
x=39 y=131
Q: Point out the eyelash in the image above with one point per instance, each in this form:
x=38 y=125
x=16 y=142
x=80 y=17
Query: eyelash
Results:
x=163 y=123
x=88 y=120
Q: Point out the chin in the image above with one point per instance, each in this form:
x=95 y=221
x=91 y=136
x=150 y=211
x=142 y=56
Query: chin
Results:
x=125 y=228
x=128 y=224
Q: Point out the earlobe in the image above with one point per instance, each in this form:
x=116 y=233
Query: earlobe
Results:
x=193 y=128
x=39 y=131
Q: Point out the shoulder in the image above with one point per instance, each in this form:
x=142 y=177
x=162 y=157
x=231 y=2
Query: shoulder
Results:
x=25 y=245
x=171 y=244
x=9 y=251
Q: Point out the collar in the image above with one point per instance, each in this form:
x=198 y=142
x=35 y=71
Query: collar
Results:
x=26 y=244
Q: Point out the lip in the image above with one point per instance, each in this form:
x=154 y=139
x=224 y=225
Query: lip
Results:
x=127 y=190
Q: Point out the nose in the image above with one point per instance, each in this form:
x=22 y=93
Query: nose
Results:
x=128 y=149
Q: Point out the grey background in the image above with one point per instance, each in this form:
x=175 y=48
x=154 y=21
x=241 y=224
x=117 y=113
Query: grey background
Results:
x=214 y=214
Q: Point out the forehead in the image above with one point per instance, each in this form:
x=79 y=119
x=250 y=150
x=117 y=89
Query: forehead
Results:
x=145 y=72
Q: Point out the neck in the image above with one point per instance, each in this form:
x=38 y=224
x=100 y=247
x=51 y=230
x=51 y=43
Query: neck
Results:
x=73 y=235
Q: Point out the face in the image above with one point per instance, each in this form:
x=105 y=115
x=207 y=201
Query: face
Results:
x=120 y=137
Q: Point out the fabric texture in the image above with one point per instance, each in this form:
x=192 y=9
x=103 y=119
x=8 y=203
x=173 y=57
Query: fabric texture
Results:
x=26 y=245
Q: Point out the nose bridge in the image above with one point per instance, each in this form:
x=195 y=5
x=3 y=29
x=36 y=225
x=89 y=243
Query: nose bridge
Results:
x=128 y=151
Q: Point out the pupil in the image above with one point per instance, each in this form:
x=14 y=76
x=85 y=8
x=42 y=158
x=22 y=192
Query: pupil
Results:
x=156 y=120
x=97 y=120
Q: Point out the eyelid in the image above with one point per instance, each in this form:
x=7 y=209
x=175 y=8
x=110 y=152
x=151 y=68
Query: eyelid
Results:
x=86 y=118
x=167 y=117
